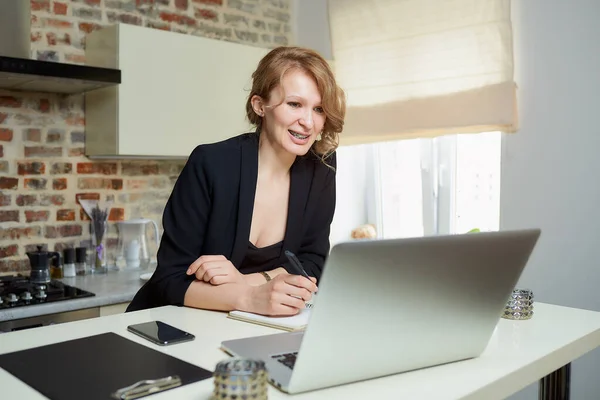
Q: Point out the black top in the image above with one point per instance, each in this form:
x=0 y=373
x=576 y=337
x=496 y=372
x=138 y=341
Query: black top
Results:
x=261 y=258
x=210 y=212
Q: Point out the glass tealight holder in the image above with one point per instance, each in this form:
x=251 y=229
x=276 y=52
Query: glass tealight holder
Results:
x=239 y=378
x=519 y=305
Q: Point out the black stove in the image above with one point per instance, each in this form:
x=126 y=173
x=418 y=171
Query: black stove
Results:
x=19 y=291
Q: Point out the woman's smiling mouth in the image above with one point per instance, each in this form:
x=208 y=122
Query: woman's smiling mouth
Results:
x=298 y=135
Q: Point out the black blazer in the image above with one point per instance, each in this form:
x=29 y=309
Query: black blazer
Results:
x=210 y=212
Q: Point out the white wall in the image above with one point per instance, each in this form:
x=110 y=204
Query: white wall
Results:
x=550 y=167
x=312 y=26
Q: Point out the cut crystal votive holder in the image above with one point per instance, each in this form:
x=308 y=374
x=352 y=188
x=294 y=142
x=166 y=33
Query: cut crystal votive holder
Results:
x=239 y=378
x=519 y=305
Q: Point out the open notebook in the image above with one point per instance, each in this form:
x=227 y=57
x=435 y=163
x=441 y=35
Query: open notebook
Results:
x=294 y=323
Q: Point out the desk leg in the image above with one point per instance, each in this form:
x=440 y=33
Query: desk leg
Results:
x=556 y=385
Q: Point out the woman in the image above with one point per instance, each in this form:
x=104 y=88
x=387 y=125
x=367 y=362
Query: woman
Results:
x=240 y=203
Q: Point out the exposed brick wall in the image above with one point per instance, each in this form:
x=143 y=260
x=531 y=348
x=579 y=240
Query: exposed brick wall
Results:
x=42 y=136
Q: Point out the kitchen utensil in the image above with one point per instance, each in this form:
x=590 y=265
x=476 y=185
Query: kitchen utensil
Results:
x=133 y=249
x=69 y=262
x=40 y=264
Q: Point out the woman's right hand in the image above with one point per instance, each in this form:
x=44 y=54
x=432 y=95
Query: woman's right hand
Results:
x=283 y=295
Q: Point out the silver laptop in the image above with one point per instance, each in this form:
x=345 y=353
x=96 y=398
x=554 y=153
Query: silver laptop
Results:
x=389 y=306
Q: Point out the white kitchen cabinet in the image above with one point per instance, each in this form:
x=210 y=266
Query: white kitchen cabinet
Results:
x=177 y=91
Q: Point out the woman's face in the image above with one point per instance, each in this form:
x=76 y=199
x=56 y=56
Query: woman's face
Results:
x=296 y=116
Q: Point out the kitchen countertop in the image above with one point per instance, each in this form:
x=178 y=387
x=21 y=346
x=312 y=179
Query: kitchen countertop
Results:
x=112 y=288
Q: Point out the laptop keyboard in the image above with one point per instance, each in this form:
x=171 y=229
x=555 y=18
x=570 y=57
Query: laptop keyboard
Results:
x=287 y=359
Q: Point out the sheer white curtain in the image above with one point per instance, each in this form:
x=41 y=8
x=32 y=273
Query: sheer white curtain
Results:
x=427 y=186
x=402 y=199
x=419 y=68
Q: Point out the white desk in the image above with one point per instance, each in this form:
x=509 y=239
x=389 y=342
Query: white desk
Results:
x=519 y=353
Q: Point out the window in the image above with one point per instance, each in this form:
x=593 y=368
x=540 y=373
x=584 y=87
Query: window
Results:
x=416 y=187
x=477 y=187
x=448 y=184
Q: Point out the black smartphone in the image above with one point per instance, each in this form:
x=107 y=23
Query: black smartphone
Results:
x=160 y=333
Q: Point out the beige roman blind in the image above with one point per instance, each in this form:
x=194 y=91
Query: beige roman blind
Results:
x=422 y=68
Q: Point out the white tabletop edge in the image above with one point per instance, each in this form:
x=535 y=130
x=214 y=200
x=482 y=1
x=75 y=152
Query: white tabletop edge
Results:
x=582 y=335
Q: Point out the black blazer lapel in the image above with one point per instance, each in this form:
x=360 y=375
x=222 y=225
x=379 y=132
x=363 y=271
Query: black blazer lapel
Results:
x=248 y=177
x=300 y=182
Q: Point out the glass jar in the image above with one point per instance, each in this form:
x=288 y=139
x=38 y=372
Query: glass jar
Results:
x=98 y=230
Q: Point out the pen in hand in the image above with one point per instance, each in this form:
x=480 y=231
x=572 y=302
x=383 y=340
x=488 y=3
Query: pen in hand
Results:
x=296 y=264
x=298 y=267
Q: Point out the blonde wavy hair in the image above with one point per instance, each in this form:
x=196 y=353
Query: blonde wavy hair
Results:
x=271 y=70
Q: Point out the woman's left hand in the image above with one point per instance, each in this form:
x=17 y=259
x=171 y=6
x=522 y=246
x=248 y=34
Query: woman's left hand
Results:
x=216 y=270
